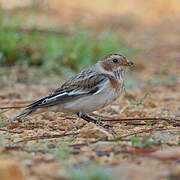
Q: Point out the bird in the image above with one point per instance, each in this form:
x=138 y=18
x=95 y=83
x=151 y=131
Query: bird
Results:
x=91 y=89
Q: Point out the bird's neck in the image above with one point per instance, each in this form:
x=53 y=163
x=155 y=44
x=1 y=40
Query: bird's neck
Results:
x=119 y=74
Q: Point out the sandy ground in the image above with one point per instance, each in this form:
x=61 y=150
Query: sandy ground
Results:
x=62 y=146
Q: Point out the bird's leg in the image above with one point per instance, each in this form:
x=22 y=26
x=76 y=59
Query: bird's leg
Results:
x=89 y=119
x=86 y=118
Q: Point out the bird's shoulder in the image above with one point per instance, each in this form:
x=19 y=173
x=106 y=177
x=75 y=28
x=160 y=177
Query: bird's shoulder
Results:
x=85 y=80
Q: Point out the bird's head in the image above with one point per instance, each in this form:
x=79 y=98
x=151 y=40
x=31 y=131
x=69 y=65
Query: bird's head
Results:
x=114 y=62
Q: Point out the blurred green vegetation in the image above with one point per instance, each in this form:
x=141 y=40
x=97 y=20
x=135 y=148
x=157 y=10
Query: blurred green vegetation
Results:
x=52 y=50
x=145 y=142
x=92 y=173
x=72 y=50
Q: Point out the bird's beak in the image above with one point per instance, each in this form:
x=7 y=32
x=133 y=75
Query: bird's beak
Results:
x=130 y=63
x=127 y=63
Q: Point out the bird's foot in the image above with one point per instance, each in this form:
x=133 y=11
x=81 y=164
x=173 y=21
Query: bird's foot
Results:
x=87 y=118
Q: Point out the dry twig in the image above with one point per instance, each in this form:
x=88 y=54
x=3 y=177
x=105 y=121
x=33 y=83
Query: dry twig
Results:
x=46 y=137
x=173 y=120
x=10 y=131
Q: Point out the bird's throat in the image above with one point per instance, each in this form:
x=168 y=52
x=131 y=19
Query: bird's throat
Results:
x=119 y=74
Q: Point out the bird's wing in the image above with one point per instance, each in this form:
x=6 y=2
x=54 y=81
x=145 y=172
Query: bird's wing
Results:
x=82 y=79
x=73 y=89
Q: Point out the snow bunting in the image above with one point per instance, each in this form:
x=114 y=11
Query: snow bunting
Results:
x=91 y=89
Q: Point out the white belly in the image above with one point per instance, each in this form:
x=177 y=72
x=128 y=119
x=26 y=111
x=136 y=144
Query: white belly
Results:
x=91 y=103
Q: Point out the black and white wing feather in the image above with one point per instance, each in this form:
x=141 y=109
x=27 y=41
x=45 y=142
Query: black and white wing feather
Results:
x=77 y=87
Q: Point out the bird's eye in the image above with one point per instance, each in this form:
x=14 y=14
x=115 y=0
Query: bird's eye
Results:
x=115 y=61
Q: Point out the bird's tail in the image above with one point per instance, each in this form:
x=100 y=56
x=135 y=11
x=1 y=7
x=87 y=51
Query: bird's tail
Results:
x=26 y=112
x=28 y=108
x=23 y=114
x=12 y=107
